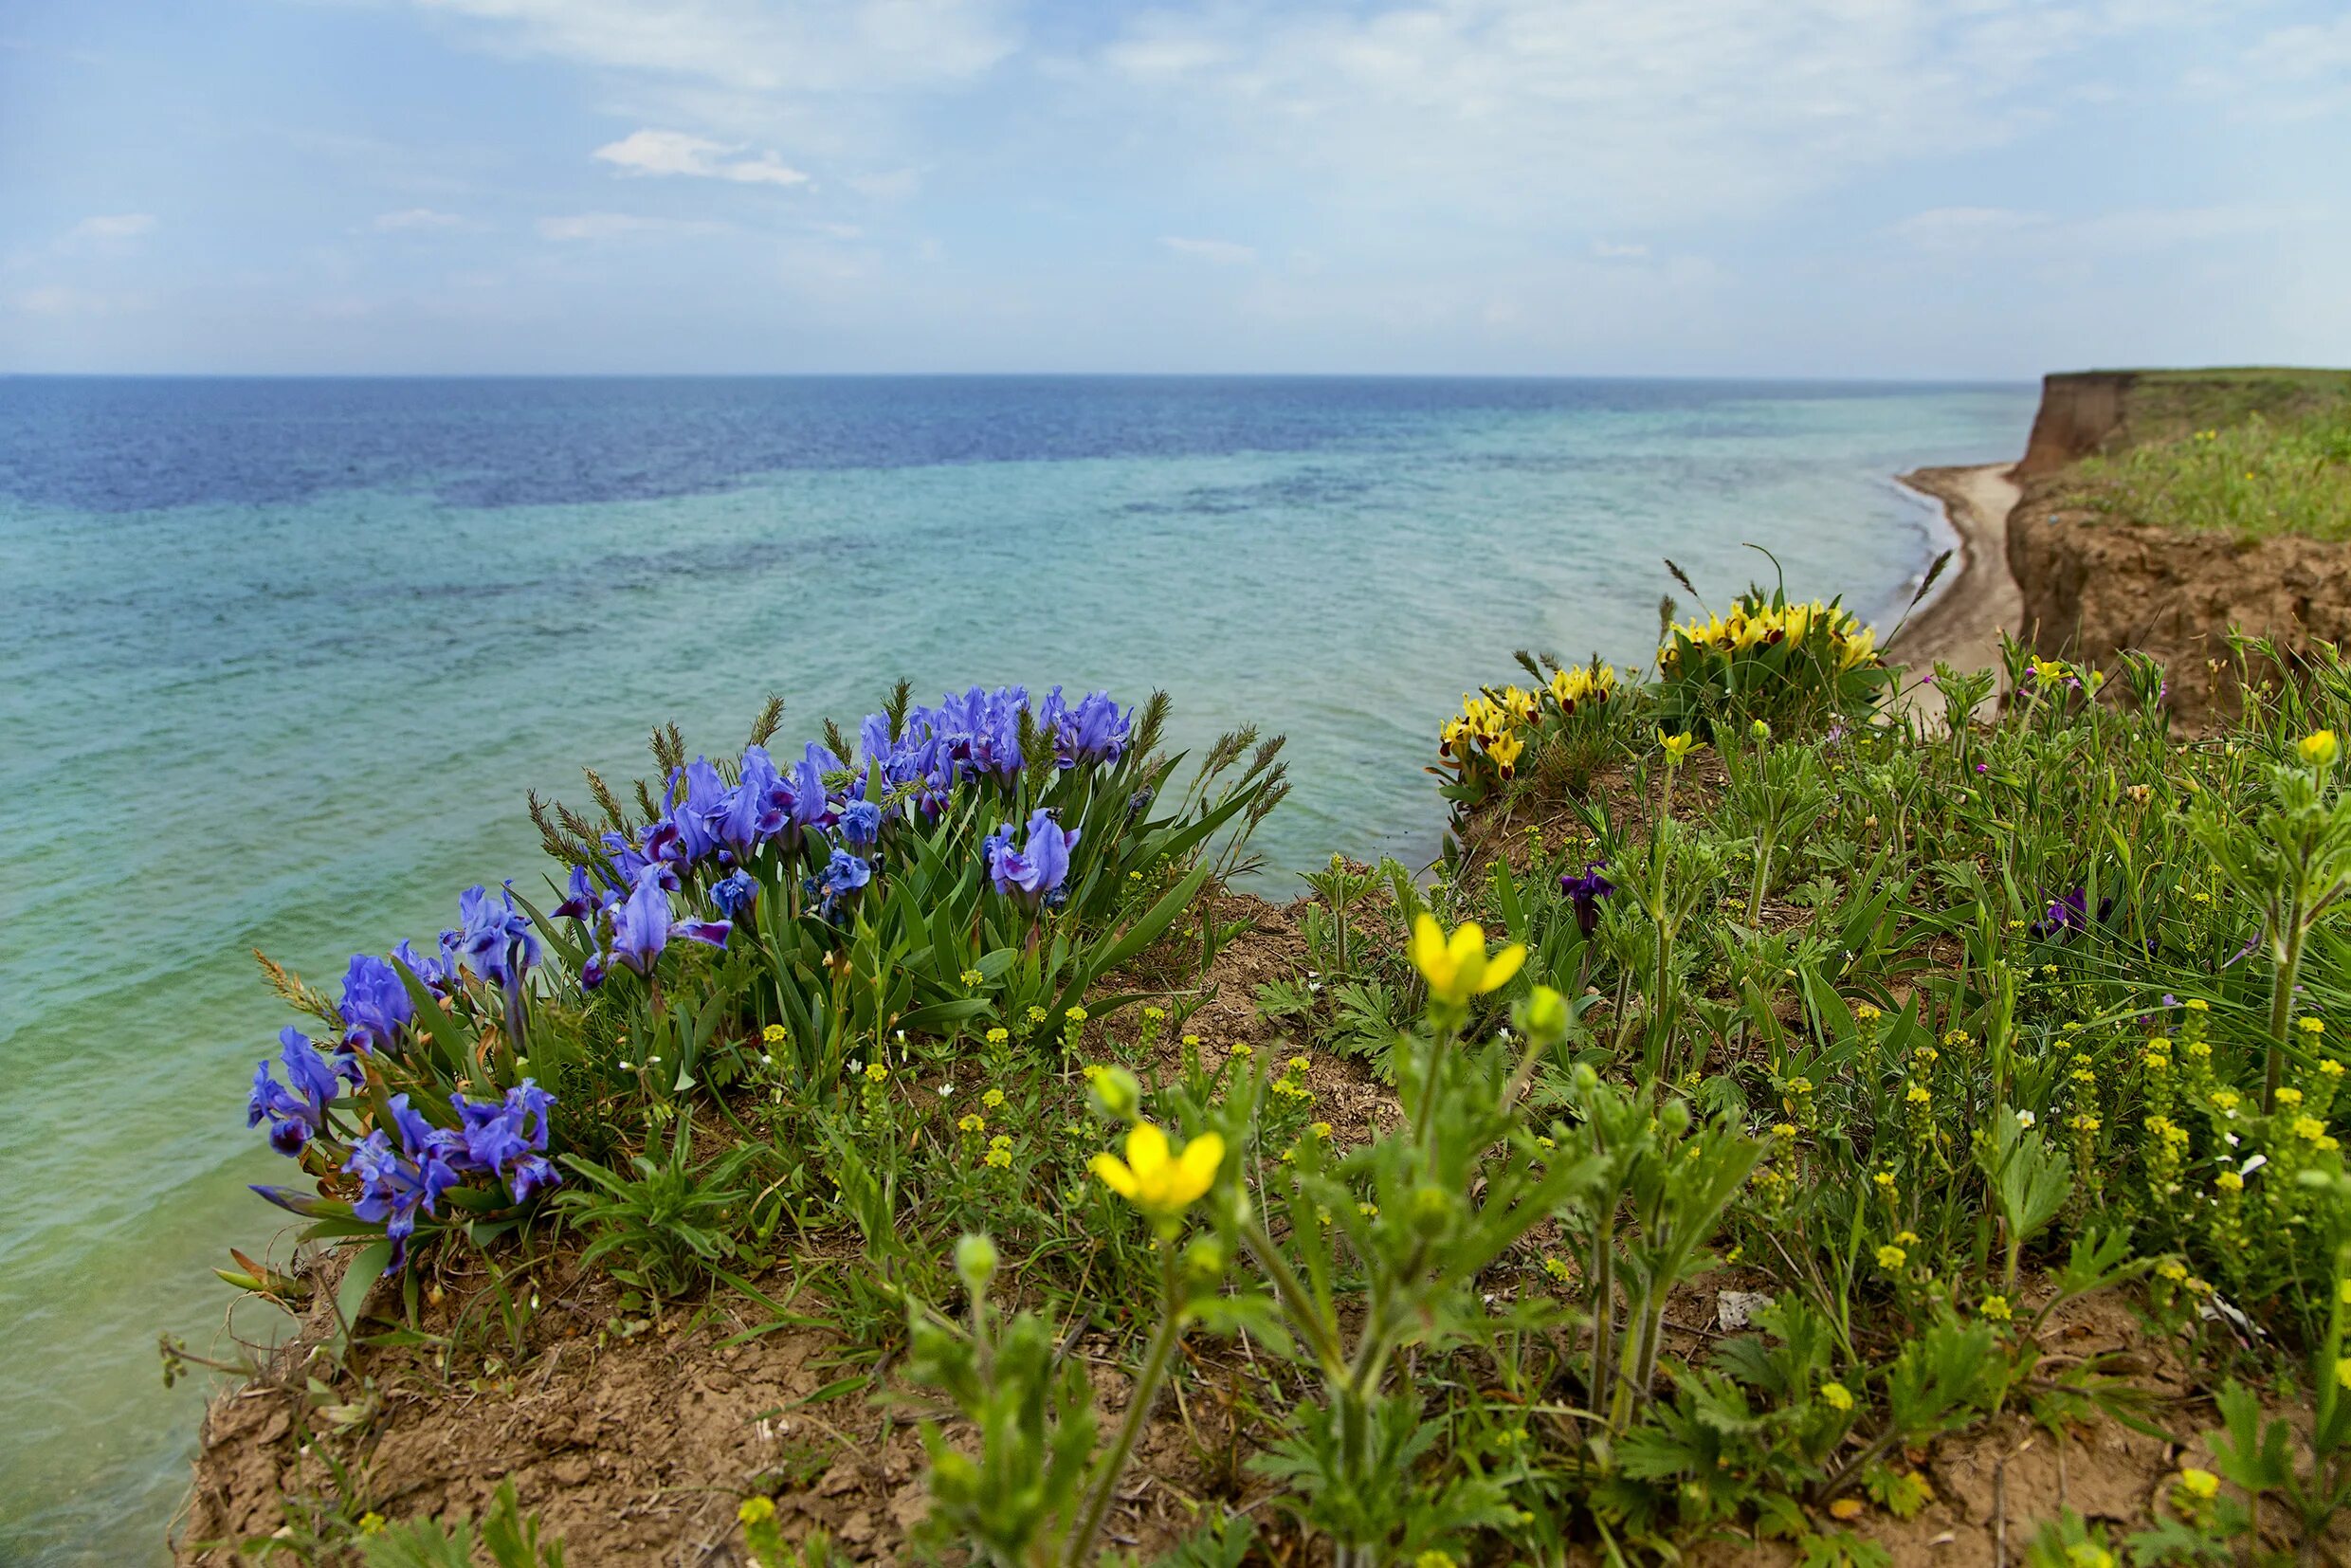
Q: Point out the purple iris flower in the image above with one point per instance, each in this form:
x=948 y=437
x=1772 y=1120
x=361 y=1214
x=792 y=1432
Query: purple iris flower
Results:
x=509 y=1137
x=1587 y=891
x=753 y=811
x=586 y=896
x=296 y=1108
x=437 y=972
x=1035 y=871
x=375 y=1005
x=734 y=893
x=642 y=925
x=845 y=874
x=1094 y=731
x=861 y=823
x=495 y=941
x=807 y=807
x=396 y=1183
x=705 y=794
x=2068 y=914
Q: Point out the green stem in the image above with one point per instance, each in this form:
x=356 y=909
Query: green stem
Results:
x=1081 y=1548
x=1762 y=880
x=1300 y=1307
x=2282 y=1006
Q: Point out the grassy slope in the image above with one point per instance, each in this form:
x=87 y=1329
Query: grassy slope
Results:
x=2253 y=451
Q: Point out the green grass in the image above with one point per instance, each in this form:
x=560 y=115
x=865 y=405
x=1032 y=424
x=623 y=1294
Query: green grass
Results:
x=2260 y=476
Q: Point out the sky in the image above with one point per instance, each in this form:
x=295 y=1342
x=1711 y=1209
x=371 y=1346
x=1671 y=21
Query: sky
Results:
x=1906 y=189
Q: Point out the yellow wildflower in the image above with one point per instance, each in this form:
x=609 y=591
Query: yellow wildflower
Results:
x=1836 y=1395
x=1160 y=1184
x=1677 y=746
x=2319 y=749
x=1458 y=967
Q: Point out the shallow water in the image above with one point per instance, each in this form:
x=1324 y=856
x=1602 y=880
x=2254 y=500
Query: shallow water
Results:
x=282 y=657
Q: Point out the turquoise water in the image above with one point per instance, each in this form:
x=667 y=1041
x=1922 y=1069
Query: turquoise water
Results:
x=282 y=659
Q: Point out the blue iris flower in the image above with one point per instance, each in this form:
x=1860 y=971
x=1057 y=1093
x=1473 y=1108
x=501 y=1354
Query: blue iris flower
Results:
x=752 y=811
x=495 y=940
x=734 y=893
x=510 y=1138
x=810 y=808
x=375 y=1006
x=1095 y=731
x=861 y=823
x=1032 y=873
x=705 y=794
x=296 y=1110
x=585 y=896
x=845 y=873
x=642 y=927
x=437 y=972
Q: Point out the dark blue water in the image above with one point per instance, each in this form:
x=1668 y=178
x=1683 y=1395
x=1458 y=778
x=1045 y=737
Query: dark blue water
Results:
x=282 y=657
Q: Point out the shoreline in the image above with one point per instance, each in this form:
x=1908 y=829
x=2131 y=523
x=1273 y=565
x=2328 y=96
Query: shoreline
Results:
x=1961 y=625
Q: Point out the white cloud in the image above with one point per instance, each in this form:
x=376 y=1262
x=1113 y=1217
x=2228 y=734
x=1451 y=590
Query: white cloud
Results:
x=758 y=45
x=1963 y=228
x=60 y=301
x=614 y=225
x=1610 y=252
x=2126 y=231
x=116 y=229
x=1531 y=113
x=415 y=218
x=1216 y=252
x=675 y=153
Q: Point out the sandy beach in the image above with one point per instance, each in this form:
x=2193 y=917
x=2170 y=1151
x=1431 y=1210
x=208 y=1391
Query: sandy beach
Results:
x=1961 y=624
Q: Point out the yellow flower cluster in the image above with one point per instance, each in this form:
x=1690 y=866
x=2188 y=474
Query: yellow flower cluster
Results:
x=1584 y=684
x=1760 y=625
x=1492 y=725
x=1491 y=721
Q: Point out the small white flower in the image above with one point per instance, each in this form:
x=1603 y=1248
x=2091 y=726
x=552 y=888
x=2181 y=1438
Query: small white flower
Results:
x=2024 y=1118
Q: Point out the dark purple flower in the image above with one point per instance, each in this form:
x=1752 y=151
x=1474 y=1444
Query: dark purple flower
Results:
x=586 y=895
x=375 y=1005
x=1587 y=891
x=2069 y=913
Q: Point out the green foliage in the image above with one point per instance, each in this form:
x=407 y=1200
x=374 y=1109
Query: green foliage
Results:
x=2263 y=476
x=668 y=1228
x=508 y=1539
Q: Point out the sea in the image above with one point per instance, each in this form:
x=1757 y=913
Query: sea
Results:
x=281 y=658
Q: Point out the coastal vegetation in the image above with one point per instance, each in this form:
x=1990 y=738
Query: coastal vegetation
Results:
x=2251 y=453
x=1782 y=1120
